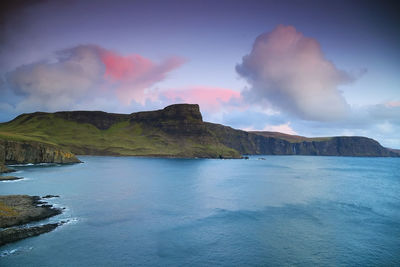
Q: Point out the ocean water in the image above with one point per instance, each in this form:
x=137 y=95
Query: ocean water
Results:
x=284 y=210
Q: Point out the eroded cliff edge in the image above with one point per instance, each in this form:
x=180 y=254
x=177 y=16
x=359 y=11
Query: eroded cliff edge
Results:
x=262 y=143
x=23 y=152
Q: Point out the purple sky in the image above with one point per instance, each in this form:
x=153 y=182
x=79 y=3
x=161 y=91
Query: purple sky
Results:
x=307 y=67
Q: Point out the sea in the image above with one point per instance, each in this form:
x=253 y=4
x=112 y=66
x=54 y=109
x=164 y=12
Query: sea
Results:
x=264 y=211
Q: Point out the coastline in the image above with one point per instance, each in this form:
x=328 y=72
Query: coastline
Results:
x=18 y=210
x=10 y=178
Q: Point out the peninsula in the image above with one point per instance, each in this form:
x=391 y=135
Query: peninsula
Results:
x=175 y=131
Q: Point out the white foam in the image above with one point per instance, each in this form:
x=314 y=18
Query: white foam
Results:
x=15 y=181
x=20 y=165
x=71 y=221
x=9 y=252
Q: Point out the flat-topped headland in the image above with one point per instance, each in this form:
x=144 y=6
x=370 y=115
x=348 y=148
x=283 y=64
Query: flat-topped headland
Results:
x=175 y=131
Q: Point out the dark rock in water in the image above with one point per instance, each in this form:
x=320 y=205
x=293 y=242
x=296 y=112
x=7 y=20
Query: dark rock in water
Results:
x=16 y=210
x=21 y=209
x=14 y=234
x=9 y=178
x=50 y=196
x=4 y=169
x=262 y=158
x=245 y=157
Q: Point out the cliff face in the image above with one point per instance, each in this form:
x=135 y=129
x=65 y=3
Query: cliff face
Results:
x=262 y=144
x=16 y=152
x=175 y=131
x=175 y=120
x=182 y=126
x=3 y=168
x=344 y=146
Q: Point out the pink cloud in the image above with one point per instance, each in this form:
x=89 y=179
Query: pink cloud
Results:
x=87 y=71
x=125 y=68
x=288 y=71
x=282 y=128
x=133 y=75
x=392 y=104
x=210 y=98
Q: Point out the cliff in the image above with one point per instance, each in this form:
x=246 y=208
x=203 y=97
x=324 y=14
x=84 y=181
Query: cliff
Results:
x=272 y=143
x=22 y=152
x=175 y=131
x=3 y=167
x=16 y=152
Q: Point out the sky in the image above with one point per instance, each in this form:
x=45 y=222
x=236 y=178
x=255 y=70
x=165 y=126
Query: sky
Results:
x=312 y=68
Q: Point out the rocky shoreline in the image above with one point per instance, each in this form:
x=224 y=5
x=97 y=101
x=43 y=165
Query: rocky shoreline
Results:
x=4 y=168
x=18 y=210
x=10 y=178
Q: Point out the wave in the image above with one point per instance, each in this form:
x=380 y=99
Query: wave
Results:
x=19 y=250
x=20 y=165
x=70 y=221
x=43 y=164
x=17 y=181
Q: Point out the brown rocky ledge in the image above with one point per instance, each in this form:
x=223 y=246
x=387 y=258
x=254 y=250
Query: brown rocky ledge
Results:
x=9 y=178
x=3 y=168
x=17 y=210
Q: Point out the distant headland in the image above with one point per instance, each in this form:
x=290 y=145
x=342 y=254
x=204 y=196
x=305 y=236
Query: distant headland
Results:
x=175 y=131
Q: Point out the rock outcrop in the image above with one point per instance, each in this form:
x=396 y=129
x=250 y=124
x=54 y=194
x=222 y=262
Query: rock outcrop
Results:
x=21 y=209
x=17 y=210
x=14 y=234
x=10 y=178
x=176 y=120
x=3 y=168
x=22 y=152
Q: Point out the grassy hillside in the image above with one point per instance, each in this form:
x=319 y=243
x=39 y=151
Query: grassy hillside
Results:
x=289 y=137
x=124 y=136
x=175 y=131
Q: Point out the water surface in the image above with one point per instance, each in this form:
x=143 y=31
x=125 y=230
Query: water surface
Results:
x=284 y=210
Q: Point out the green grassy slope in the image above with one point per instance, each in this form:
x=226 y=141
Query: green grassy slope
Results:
x=175 y=131
x=289 y=137
x=124 y=137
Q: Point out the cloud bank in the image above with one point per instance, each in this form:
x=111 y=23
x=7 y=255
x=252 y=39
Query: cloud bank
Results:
x=134 y=74
x=85 y=72
x=288 y=71
x=92 y=77
x=288 y=74
x=52 y=85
